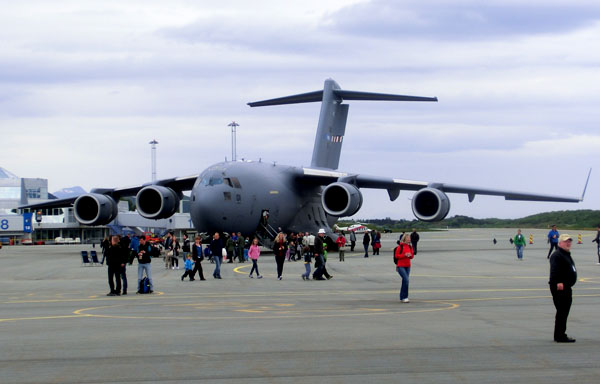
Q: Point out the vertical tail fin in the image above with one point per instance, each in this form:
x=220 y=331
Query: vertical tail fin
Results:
x=332 y=120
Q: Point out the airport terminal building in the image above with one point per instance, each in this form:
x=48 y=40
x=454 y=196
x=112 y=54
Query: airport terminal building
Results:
x=58 y=225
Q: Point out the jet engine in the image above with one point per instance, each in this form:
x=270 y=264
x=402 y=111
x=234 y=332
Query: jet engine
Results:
x=430 y=204
x=157 y=202
x=95 y=209
x=341 y=199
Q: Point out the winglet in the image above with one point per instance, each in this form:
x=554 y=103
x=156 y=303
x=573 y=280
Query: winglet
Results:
x=586 y=184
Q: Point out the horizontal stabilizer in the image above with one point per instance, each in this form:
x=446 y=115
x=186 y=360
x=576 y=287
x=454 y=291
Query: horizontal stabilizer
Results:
x=340 y=94
x=309 y=97
x=354 y=95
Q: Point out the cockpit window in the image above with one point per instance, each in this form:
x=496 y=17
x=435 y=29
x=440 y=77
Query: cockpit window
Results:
x=236 y=182
x=212 y=180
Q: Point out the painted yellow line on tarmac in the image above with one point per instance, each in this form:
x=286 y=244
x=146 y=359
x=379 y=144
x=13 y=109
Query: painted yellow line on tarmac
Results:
x=238 y=269
x=39 y=318
x=277 y=315
x=481 y=277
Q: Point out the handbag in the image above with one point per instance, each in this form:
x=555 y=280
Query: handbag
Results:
x=170 y=253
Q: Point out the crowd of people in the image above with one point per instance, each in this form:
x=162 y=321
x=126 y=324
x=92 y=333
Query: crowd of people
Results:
x=119 y=251
x=304 y=246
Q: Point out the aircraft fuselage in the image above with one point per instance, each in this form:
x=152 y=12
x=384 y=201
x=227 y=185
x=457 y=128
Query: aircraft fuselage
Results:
x=233 y=196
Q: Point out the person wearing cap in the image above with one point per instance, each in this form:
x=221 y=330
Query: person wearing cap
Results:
x=318 y=254
x=563 y=275
x=553 y=239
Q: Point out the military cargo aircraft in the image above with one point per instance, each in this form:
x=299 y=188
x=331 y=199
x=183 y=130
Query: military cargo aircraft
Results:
x=256 y=197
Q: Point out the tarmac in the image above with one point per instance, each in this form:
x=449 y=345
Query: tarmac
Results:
x=477 y=315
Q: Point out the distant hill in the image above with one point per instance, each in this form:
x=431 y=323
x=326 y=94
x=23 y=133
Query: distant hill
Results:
x=69 y=192
x=578 y=219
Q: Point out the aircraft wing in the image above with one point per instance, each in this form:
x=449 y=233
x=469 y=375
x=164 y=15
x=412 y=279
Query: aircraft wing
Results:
x=394 y=186
x=177 y=184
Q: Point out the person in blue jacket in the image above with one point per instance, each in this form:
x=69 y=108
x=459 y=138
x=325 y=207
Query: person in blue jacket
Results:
x=189 y=267
x=553 y=239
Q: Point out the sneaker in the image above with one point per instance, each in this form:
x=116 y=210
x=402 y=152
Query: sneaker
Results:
x=259 y=277
x=303 y=277
x=252 y=277
x=405 y=300
x=279 y=278
x=124 y=292
x=181 y=278
x=110 y=294
x=176 y=267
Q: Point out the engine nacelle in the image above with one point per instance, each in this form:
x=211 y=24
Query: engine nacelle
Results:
x=157 y=202
x=341 y=199
x=430 y=204
x=95 y=209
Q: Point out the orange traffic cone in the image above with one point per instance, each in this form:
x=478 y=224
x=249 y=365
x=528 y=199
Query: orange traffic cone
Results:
x=579 y=239
x=530 y=238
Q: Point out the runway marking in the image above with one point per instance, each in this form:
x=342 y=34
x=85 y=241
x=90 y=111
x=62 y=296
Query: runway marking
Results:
x=276 y=315
x=238 y=269
x=282 y=309
x=39 y=318
x=163 y=296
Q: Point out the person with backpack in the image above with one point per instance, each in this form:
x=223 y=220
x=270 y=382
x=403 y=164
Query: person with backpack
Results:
x=144 y=258
x=403 y=254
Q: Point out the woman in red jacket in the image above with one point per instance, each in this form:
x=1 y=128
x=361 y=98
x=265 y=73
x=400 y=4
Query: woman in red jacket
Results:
x=403 y=254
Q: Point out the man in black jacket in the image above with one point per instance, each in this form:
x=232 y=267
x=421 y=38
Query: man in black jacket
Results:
x=144 y=263
x=115 y=260
x=414 y=239
x=563 y=276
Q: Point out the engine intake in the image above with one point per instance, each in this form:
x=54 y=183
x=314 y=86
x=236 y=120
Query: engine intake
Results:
x=341 y=199
x=430 y=204
x=157 y=202
x=95 y=209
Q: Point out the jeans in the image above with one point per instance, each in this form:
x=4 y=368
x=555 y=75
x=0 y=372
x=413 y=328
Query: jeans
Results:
x=307 y=273
x=124 y=277
x=552 y=246
x=148 y=268
x=366 y=249
x=218 y=260
x=114 y=275
x=404 y=272
x=254 y=267
x=519 y=251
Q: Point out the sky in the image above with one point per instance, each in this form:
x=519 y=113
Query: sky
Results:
x=85 y=85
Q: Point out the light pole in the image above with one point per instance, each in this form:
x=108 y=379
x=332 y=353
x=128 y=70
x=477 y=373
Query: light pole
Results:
x=153 y=156
x=233 y=126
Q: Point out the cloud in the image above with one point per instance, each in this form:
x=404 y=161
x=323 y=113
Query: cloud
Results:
x=462 y=20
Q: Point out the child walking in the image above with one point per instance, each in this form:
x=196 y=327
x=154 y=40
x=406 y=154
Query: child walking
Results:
x=253 y=254
x=189 y=267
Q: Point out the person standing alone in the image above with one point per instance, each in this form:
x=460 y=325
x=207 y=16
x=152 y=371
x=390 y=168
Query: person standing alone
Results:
x=519 y=242
x=414 y=239
x=553 y=239
x=403 y=254
x=563 y=276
